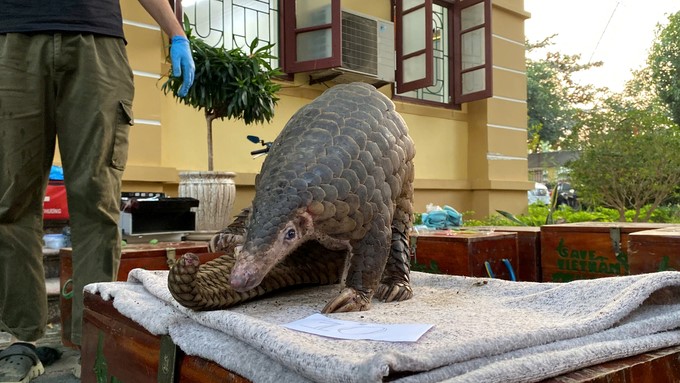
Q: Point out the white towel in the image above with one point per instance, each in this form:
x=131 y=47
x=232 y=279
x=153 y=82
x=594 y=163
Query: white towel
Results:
x=484 y=329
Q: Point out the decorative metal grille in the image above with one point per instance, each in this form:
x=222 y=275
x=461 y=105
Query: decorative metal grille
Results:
x=235 y=23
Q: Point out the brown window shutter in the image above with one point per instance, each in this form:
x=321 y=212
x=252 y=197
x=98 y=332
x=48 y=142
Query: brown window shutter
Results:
x=306 y=43
x=472 y=51
x=414 y=45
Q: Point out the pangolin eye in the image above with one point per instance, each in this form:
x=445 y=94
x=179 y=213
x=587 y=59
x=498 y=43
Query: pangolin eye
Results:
x=290 y=234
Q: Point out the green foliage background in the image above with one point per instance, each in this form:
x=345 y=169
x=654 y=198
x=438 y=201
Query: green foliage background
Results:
x=538 y=213
x=553 y=96
x=628 y=142
x=664 y=61
x=230 y=83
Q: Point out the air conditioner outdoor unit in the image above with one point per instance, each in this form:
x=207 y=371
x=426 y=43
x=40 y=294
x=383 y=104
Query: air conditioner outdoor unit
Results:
x=367 y=51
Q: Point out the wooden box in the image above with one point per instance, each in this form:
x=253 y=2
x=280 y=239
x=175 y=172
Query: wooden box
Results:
x=528 y=250
x=654 y=250
x=466 y=253
x=653 y=367
x=586 y=250
x=146 y=256
x=116 y=347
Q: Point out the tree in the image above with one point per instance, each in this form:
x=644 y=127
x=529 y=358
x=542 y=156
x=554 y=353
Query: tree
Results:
x=553 y=97
x=232 y=84
x=664 y=61
x=629 y=157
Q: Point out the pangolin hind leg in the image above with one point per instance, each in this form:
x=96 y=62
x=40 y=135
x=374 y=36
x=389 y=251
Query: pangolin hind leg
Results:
x=395 y=283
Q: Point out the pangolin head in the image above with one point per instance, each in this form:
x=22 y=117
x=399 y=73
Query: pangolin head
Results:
x=273 y=233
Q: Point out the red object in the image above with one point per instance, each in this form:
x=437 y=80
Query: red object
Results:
x=54 y=204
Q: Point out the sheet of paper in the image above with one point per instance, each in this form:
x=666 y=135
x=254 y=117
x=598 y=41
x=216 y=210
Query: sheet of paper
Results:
x=321 y=325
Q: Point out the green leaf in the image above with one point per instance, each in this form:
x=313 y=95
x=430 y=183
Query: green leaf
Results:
x=253 y=44
x=511 y=217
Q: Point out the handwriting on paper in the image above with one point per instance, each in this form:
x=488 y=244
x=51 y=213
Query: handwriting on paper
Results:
x=334 y=328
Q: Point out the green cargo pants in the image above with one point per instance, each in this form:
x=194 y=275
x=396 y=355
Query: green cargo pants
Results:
x=77 y=88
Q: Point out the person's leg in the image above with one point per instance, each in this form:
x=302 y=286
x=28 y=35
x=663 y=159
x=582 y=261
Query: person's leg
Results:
x=94 y=115
x=26 y=153
x=27 y=140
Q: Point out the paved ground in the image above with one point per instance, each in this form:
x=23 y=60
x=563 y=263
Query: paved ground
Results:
x=60 y=371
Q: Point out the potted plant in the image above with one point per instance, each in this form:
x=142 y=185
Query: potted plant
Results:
x=232 y=84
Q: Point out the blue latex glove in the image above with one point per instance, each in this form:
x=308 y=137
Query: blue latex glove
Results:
x=182 y=63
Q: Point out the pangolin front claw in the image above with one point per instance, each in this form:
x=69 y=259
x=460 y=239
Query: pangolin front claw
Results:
x=348 y=300
x=399 y=291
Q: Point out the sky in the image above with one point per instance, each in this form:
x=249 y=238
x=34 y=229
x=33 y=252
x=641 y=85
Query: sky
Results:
x=617 y=32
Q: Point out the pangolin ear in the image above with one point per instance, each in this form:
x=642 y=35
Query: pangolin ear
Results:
x=306 y=223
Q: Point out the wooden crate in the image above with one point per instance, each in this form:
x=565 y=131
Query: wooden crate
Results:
x=465 y=253
x=652 y=367
x=146 y=256
x=528 y=250
x=654 y=250
x=586 y=250
x=132 y=354
x=116 y=347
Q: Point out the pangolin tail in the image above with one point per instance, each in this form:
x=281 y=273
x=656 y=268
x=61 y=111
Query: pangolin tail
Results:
x=206 y=287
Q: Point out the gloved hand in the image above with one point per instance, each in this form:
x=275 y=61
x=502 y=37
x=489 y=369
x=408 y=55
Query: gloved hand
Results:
x=182 y=63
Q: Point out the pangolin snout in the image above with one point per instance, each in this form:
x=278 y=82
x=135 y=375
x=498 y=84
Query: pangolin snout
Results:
x=243 y=278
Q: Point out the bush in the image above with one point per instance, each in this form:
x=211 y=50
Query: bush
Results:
x=538 y=214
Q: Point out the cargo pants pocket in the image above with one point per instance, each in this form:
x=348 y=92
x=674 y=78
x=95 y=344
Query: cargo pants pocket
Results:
x=119 y=151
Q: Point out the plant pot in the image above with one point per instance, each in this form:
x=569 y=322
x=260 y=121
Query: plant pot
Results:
x=215 y=191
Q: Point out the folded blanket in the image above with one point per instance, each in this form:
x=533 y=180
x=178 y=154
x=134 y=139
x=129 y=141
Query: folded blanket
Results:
x=486 y=330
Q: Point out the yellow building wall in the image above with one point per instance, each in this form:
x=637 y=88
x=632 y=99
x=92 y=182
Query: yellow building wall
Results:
x=473 y=159
x=498 y=125
x=147 y=50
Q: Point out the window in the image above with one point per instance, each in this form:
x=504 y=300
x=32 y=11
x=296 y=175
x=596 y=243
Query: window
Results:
x=458 y=49
x=234 y=23
x=472 y=31
x=435 y=87
x=442 y=47
x=330 y=43
x=414 y=44
x=312 y=31
x=443 y=50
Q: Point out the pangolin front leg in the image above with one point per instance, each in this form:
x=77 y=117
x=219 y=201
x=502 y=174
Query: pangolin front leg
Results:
x=366 y=265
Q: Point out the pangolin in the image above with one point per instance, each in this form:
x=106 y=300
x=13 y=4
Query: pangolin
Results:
x=337 y=184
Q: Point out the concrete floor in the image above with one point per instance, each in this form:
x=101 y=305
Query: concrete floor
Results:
x=60 y=371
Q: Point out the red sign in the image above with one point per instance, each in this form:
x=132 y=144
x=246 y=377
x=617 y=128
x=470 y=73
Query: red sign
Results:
x=54 y=205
